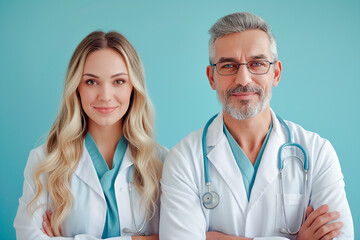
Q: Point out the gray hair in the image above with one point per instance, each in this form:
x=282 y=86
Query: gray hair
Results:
x=239 y=22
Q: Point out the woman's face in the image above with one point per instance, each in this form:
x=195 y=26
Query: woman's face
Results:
x=105 y=88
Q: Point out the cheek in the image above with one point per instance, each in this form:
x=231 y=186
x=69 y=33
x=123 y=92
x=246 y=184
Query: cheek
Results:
x=86 y=97
x=123 y=96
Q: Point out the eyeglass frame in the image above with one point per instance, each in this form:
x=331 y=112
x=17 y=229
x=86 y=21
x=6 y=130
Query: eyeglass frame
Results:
x=247 y=66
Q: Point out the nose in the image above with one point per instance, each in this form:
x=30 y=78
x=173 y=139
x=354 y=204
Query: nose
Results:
x=105 y=93
x=243 y=76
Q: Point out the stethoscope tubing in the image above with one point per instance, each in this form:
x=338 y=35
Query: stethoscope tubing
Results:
x=206 y=167
x=137 y=231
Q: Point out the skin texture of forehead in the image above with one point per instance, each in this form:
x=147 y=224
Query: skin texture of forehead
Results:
x=242 y=46
x=105 y=60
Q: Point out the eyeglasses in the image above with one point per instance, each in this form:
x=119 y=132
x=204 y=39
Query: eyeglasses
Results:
x=255 y=67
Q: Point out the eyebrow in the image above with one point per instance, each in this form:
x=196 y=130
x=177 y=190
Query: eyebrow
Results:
x=261 y=56
x=94 y=76
x=222 y=59
x=118 y=74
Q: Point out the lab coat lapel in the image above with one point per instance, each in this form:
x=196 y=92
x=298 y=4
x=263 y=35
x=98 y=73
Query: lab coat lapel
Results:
x=268 y=169
x=127 y=160
x=221 y=156
x=125 y=166
x=87 y=172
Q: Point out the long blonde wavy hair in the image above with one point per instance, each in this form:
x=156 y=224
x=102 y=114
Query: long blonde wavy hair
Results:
x=64 y=145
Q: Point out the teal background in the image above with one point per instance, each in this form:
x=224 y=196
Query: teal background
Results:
x=318 y=43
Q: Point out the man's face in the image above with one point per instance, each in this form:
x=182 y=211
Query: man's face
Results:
x=244 y=95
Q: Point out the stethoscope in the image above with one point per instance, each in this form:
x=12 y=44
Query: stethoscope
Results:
x=211 y=198
x=137 y=231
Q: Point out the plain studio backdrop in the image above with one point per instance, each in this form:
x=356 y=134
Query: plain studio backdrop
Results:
x=318 y=44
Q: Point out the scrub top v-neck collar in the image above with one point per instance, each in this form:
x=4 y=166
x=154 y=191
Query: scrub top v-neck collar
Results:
x=248 y=170
x=107 y=180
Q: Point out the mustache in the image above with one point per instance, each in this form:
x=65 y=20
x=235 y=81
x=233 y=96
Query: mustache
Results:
x=246 y=88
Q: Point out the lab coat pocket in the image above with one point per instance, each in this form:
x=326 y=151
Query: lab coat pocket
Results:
x=293 y=210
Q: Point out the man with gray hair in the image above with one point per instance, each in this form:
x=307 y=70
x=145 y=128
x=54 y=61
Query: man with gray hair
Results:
x=248 y=173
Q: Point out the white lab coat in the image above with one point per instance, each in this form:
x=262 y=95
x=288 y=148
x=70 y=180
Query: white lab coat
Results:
x=86 y=219
x=183 y=216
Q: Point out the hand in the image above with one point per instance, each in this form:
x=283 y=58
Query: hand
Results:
x=212 y=235
x=149 y=237
x=46 y=224
x=317 y=224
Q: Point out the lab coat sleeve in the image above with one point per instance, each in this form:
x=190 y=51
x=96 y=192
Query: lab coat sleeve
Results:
x=328 y=187
x=27 y=224
x=181 y=215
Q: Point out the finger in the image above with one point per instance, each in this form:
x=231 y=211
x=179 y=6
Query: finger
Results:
x=315 y=214
x=309 y=210
x=47 y=229
x=46 y=219
x=323 y=220
x=331 y=235
x=47 y=226
x=328 y=230
x=48 y=213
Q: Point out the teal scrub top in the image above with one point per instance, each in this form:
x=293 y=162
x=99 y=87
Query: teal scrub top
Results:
x=107 y=179
x=248 y=171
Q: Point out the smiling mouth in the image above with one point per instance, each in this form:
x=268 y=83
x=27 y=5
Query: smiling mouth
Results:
x=105 y=110
x=244 y=95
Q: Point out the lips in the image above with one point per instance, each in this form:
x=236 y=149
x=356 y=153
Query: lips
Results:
x=105 y=110
x=243 y=95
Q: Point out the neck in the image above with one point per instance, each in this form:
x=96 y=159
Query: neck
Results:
x=249 y=133
x=106 y=139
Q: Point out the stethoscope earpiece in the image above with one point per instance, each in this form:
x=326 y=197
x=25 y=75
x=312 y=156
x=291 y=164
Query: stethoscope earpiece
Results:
x=210 y=200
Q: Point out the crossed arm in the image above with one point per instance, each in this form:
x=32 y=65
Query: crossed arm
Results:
x=48 y=230
x=316 y=226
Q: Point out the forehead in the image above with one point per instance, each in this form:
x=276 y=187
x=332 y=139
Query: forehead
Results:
x=243 y=46
x=105 y=60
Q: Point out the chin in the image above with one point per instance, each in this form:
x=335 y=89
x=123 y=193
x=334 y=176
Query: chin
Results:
x=106 y=123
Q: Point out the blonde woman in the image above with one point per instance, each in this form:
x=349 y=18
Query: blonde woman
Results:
x=98 y=174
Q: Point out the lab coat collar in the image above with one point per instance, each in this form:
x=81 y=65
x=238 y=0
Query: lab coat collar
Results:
x=127 y=160
x=268 y=169
x=87 y=172
x=215 y=131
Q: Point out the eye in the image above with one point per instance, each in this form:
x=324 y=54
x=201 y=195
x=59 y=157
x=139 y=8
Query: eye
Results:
x=227 y=65
x=119 y=82
x=256 y=64
x=90 y=82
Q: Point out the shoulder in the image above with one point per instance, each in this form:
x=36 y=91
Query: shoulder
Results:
x=317 y=147
x=305 y=136
x=161 y=152
x=188 y=145
x=185 y=153
x=36 y=156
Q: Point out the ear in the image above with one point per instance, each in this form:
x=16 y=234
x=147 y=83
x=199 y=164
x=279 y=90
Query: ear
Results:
x=277 y=73
x=210 y=75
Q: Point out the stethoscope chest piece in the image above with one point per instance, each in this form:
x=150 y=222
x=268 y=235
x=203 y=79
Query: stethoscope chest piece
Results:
x=210 y=199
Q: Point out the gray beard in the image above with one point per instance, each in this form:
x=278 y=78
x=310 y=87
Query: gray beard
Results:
x=245 y=111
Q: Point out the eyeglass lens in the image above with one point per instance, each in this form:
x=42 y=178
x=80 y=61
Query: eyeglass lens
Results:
x=255 y=67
